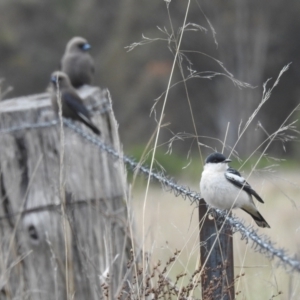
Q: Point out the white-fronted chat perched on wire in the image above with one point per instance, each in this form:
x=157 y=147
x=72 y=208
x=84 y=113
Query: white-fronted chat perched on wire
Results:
x=224 y=188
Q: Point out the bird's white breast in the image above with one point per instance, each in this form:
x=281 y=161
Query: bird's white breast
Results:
x=218 y=192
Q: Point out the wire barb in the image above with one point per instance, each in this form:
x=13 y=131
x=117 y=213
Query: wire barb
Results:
x=261 y=243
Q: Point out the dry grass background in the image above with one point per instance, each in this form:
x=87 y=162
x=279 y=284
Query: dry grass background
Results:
x=169 y=223
x=166 y=223
x=172 y=223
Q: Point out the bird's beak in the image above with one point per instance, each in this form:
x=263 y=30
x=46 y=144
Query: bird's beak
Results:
x=53 y=79
x=227 y=160
x=86 y=47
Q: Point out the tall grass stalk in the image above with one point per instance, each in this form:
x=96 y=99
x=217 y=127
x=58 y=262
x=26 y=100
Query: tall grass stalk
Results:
x=158 y=131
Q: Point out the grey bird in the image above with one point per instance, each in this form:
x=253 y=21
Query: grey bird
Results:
x=224 y=188
x=77 y=63
x=72 y=105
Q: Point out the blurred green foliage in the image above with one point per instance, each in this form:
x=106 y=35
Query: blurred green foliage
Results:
x=190 y=169
x=171 y=164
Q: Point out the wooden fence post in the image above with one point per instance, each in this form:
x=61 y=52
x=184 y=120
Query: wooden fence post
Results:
x=76 y=251
x=218 y=277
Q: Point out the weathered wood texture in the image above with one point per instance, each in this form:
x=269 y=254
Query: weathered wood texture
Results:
x=216 y=254
x=48 y=254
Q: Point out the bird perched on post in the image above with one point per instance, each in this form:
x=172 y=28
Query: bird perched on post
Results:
x=72 y=105
x=224 y=188
x=77 y=63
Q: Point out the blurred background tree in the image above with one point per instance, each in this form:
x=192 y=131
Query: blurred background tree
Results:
x=254 y=40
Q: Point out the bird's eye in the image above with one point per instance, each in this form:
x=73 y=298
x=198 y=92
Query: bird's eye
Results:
x=81 y=45
x=56 y=79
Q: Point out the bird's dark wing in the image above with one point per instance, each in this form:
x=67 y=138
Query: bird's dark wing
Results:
x=74 y=108
x=235 y=178
x=73 y=103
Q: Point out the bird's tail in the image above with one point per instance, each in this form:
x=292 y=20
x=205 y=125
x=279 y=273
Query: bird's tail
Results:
x=94 y=128
x=89 y=124
x=258 y=218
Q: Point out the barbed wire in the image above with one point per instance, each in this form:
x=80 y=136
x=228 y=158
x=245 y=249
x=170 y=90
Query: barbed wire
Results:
x=260 y=243
x=165 y=181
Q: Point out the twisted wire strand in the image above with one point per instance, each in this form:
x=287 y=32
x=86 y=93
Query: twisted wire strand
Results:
x=260 y=243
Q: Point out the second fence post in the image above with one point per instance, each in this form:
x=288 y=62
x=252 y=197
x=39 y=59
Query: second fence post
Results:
x=216 y=258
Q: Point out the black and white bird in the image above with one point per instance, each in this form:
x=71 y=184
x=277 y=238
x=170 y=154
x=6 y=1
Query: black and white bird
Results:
x=224 y=188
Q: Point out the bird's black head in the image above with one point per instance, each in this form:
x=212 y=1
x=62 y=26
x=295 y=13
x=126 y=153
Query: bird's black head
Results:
x=216 y=157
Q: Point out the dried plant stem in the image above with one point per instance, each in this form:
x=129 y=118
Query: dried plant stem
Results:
x=62 y=186
x=23 y=206
x=266 y=96
x=226 y=133
x=185 y=87
x=157 y=135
